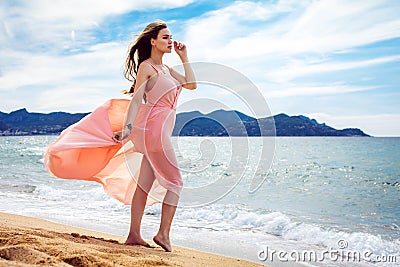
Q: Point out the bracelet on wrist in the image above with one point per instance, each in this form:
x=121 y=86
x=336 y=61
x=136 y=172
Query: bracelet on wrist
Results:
x=129 y=126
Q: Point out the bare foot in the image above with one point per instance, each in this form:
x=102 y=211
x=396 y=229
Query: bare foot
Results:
x=164 y=243
x=137 y=242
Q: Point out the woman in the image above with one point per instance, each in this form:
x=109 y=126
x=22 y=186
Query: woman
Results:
x=136 y=165
x=150 y=125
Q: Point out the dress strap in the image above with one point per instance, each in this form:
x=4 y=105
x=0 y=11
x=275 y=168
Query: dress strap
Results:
x=151 y=64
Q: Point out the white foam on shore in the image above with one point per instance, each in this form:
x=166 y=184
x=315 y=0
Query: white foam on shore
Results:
x=218 y=217
x=226 y=223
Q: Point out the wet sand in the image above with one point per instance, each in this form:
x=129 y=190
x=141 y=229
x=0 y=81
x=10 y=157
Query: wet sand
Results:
x=27 y=241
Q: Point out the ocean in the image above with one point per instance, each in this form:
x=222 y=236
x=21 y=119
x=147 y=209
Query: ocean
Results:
x=313 y=201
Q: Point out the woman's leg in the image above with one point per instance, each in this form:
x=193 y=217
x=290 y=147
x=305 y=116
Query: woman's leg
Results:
x=166 y=166
x=167 y=215
x=145 y=181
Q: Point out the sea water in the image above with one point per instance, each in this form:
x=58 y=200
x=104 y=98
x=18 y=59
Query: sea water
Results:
x=323 y=201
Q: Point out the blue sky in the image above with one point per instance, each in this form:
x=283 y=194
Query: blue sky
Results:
x=337 y=61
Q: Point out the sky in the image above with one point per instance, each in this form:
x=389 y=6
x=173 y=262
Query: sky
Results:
x=336 y=61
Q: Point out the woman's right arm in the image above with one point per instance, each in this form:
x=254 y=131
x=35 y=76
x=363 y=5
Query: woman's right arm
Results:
x=142 y=77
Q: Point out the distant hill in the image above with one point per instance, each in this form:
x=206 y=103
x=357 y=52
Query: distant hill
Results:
x=234 y=123
x=216 y=123
x=304 y=126
x=22 y=122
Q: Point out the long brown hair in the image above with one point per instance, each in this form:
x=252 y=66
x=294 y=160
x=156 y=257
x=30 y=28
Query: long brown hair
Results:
x=140 y=50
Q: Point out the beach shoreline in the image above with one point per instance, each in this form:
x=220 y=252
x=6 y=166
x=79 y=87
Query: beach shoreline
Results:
x=308 y=202
x=32 y=241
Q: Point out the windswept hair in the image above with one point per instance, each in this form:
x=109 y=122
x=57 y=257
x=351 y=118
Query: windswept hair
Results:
x=140 y=50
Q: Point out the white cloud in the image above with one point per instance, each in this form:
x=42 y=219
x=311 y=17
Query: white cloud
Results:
x=298 y=68
x=88 y=10
x=75 y=99
x=50 y=70
x=74 y=83
x=211 y=34
x=50 y=47
x=318 y=27
x=375 y=125
x=296 y=42
x=45 y=24
x=34 y=32
x=313 y=90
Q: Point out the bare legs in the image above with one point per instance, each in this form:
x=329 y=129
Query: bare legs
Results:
x=167 y=214
x=146 y=179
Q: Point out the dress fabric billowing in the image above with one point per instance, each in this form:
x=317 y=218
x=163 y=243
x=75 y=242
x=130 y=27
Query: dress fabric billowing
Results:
x=86 y=151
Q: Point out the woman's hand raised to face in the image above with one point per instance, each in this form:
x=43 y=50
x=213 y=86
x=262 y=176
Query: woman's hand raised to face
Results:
x=180 y=49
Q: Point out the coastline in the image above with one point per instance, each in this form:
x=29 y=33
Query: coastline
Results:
x=27 y=240
x=240 y=225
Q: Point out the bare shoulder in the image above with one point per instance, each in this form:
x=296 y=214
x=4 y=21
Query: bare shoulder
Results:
x=169 y=68
x=146 y=69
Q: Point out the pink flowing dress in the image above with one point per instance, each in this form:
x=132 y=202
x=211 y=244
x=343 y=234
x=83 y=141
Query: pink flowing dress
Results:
x=86 y=151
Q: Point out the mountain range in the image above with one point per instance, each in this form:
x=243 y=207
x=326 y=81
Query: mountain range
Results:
x=194 y=123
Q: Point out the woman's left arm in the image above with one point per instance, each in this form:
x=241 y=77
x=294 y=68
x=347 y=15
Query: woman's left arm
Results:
x=188 y=80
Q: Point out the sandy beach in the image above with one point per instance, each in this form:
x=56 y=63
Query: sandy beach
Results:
x=27 y=241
